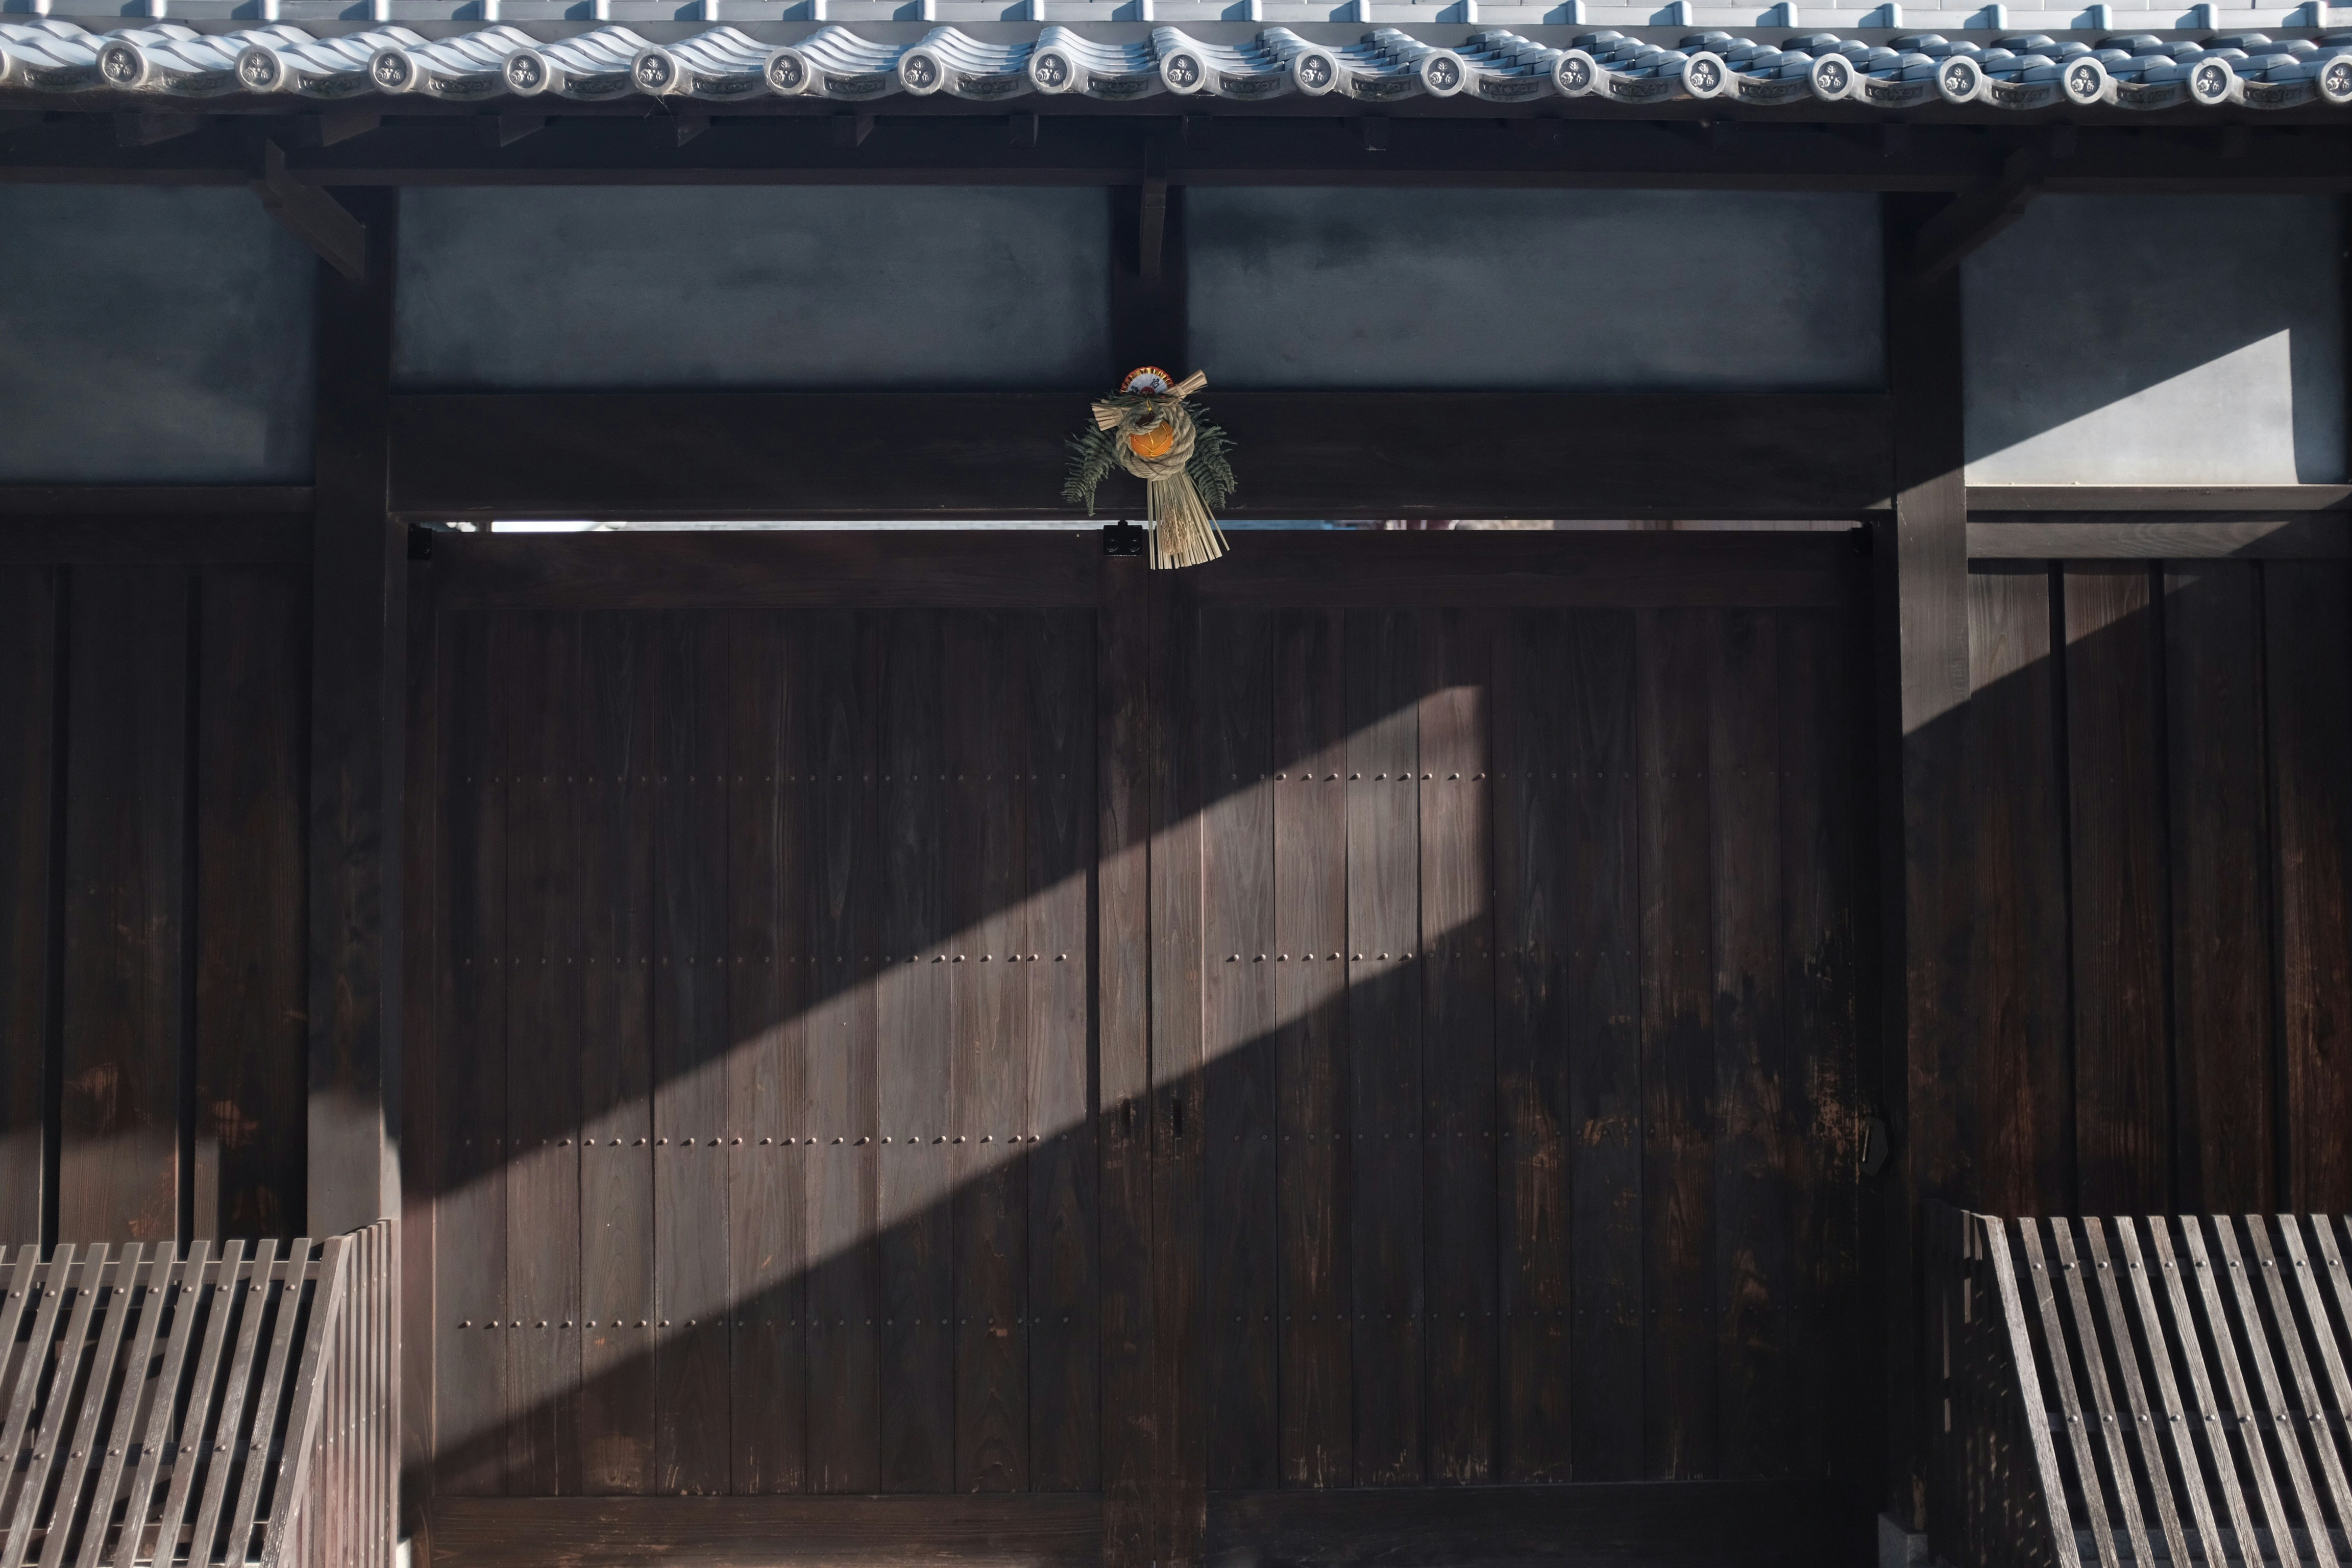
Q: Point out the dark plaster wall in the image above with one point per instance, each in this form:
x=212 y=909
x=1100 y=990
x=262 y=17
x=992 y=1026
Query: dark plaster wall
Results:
x=806 y=287
x=151 y=334
x=2159 y=340
x=1637 y=289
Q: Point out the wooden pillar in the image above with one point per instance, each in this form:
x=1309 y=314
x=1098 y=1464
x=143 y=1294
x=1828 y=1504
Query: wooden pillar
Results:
x=1922 y=640
x=359 y=638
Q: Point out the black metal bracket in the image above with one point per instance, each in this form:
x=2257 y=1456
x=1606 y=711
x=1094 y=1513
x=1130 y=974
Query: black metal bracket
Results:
x=1122 y=538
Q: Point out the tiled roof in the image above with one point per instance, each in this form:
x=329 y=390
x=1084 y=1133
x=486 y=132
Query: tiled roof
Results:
x=724 y=64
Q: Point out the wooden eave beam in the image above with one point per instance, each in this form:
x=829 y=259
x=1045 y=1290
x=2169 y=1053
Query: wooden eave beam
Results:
x=1973 y=218
x=1099 y=149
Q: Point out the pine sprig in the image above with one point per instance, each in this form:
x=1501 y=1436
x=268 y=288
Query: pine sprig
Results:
x=1211 y=471
x=1093 y=455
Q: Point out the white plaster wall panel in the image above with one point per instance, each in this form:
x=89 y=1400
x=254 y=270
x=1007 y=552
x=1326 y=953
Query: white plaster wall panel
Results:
x=152 y=335
x=1686 y=290
x=2157 y=339
x=803 y=287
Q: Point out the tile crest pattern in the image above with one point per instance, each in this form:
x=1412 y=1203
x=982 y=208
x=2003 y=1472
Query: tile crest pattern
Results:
x=724 y=64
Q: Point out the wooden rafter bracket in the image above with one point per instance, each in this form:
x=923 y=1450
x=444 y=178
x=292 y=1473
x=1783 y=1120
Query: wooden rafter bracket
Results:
x=1971 y=220
x=315 y=218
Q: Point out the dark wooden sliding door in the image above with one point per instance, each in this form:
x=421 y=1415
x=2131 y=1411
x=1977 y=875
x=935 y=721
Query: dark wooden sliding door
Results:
x=952 y=1014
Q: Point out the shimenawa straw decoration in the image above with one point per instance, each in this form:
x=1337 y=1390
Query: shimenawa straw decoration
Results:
x=1150 y=430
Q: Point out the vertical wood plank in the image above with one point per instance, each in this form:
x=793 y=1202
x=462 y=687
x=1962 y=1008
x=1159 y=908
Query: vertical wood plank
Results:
x=1455 y=961
x=1237 y=984
x=2225 y=1051
x=2016 y=959
x=1177 y=1219
x=691 y=1117
x=358 y=619
x=119 y=1172
x=915 y=1044
x=415 y=1304
x=1065 y=1444
x=766 y=1208
x=29 y=650
x=1679 y=1394
x=1818 y=1121
x=251 y=1046
x=986 y=835
x=470 y=1216
x=1532 y=675
x=1384 y=1018
x=1760 y=1187
x=1597 y=1061
x=1317 y=1396
x=1119 y=956
x=2123 y=1106
x=616 y=1051
x=845 y=1290
x=2308 y=637
x=540 y=675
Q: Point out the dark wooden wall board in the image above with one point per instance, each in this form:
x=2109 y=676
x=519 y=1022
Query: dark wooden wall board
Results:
x=2120 y=890
x=156 y=534
x=1732 y=1524
x=851 y=455
x=2225 y=1057
x=359 y=575
x=744 y=1533
x=30 y=665
x=125 y=1000
x=2307 y=631
x=252 y=760
x=194 y=503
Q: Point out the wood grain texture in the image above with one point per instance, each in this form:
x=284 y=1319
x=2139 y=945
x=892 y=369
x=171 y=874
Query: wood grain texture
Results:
x=1056 y=655
x=1343 y=453
x=1761 y=1185
x=1317 y=1399
x=2120 y=891
x=541 y=676
x=2309 y=648
x=1532 y=675
x=1120 y=956
x=470 y=1071
x=690 y=1043
x=746 y=1532
x=987 y=857
x=29 y=653
x=2225 y=1085
x=1824 y=717
x=2277 y=538
x=840 y=749
x=1178 y=1405
x=251 y=1046
x=1600 y=1053
x=1455 y=957
x=1390 y=1298
x=615 y=1054
x=1680 y=1525
x=766 y=1081
x=1678 y=1071
x=1238 y=983
x=2018 y=997
x=126 y=844
x=917 y=1034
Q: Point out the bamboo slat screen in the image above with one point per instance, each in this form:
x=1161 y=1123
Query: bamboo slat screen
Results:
x=2141 y=1390
x=199 y=1407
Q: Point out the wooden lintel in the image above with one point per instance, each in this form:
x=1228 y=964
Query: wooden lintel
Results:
x=2217 y=499
x=2273 y=538
x=313 y=217
x=338 y=125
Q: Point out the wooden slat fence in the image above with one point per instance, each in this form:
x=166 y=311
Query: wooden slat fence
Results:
x=2138 y=1391
x=224 y=1406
